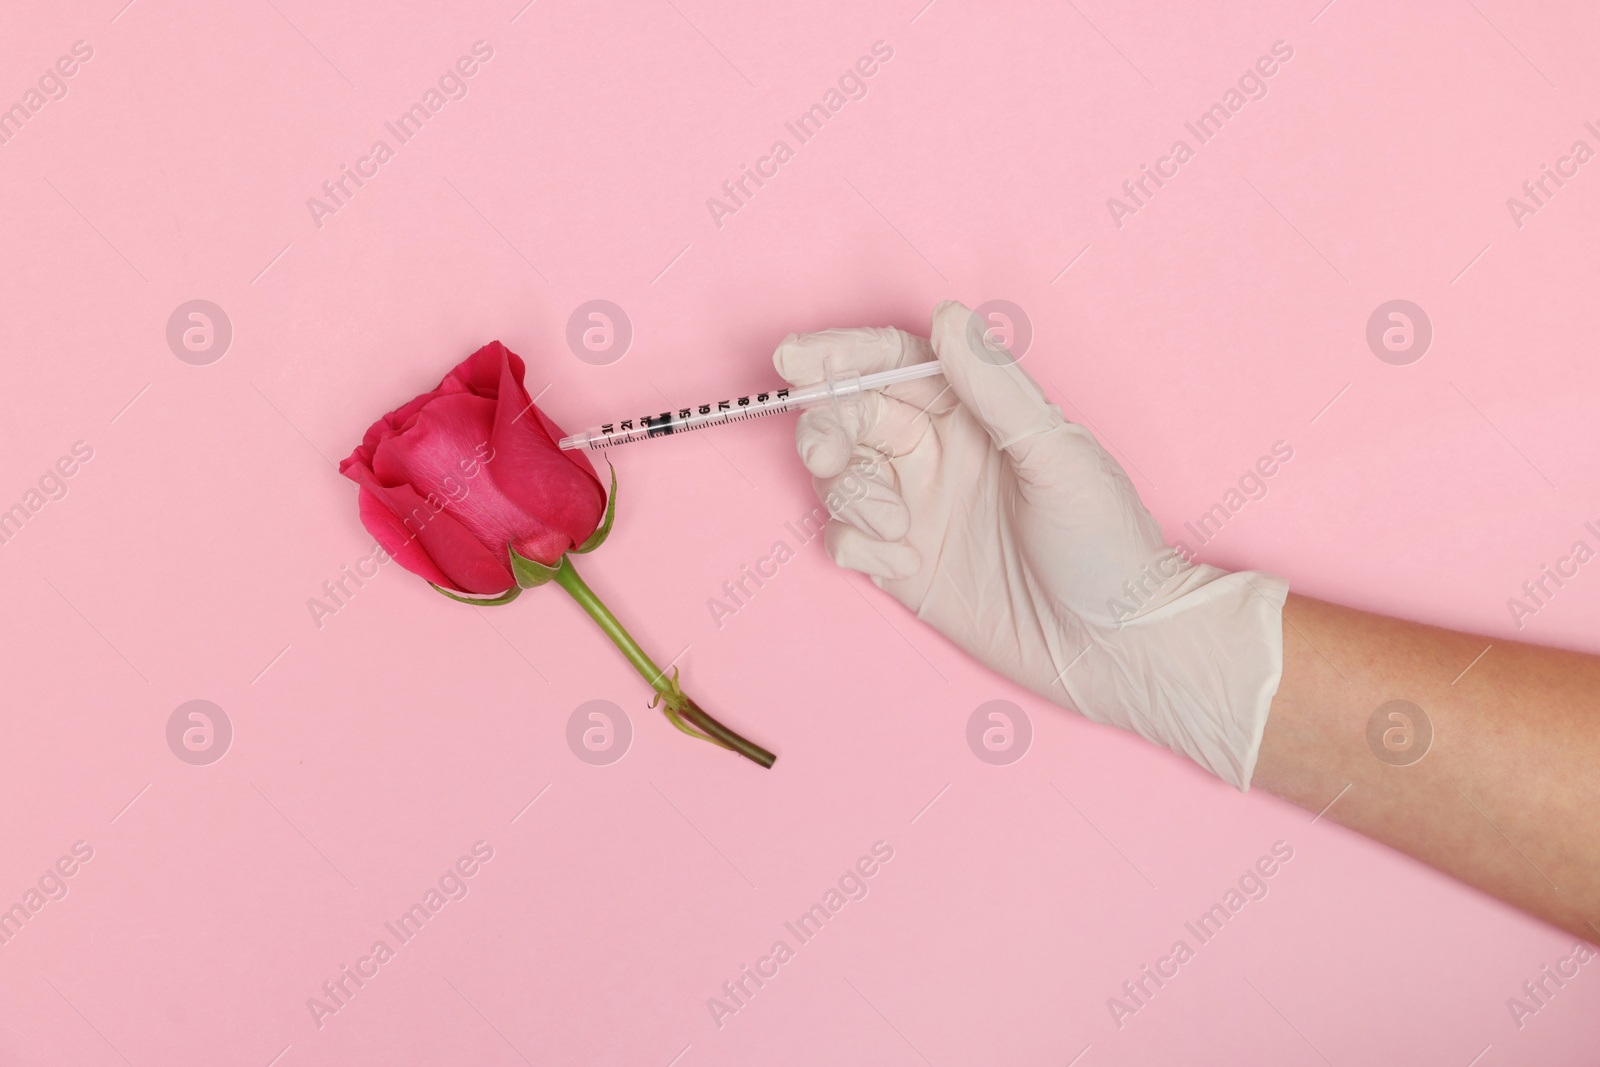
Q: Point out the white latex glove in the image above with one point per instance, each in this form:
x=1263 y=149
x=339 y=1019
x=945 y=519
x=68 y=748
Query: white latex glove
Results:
x=1012 y=532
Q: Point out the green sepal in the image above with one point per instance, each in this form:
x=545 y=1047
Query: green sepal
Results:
x=530 y=572
x=598 y=538
x=483 y=602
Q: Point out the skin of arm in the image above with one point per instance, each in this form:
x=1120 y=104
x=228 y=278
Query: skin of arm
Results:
x=1505 y=799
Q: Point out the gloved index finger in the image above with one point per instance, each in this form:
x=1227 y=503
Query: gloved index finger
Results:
x=799 y=358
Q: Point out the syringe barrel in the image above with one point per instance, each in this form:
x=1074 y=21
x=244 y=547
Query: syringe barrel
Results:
x=684 y=419
x=831 y=390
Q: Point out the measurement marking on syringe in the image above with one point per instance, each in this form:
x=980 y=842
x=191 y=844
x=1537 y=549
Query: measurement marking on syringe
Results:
x=751 y=406
x=663 y=429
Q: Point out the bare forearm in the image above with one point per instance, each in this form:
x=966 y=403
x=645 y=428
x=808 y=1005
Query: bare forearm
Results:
x=1506 y=794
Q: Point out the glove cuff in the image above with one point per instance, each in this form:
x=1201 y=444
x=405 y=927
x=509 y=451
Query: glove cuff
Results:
x=1198 y=674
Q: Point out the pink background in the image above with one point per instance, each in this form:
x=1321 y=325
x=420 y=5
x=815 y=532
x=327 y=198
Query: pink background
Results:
x=370 y=753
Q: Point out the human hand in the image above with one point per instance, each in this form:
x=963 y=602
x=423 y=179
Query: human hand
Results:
x=1012 y=532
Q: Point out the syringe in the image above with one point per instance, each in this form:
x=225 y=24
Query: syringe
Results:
x=699 y=416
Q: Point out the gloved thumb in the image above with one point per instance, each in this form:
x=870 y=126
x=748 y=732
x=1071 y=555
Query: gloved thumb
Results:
x=989 y=381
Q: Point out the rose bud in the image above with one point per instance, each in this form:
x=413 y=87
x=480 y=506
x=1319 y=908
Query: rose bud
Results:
x=451 y=478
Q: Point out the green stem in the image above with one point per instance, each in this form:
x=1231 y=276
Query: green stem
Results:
x=566 y=577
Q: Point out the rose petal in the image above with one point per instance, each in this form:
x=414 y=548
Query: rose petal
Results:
x=454 y=430
x=483 y=371
x=530 y=469
x=387 y=529
x=466 y=563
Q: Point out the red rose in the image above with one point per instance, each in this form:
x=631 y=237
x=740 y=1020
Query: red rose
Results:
x=467 y=486
x=451 y=478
